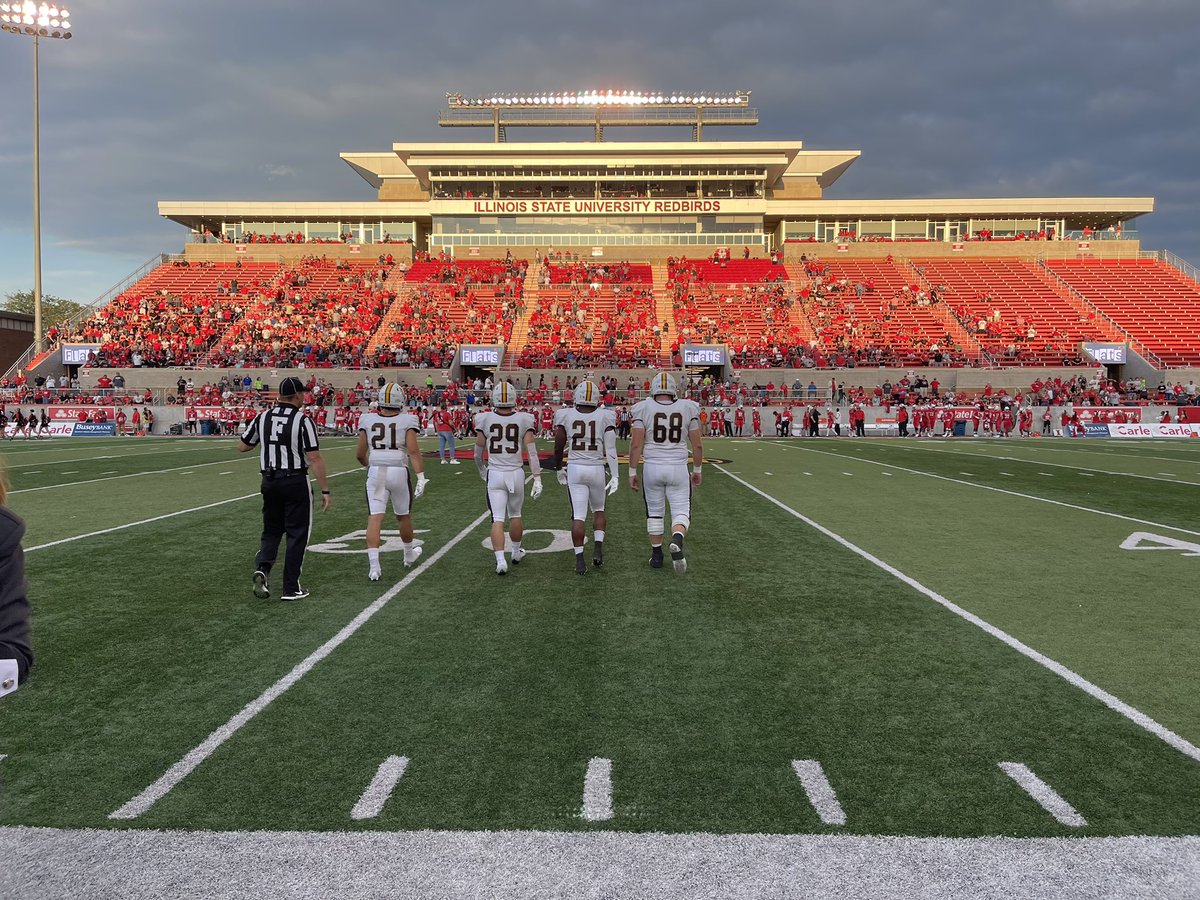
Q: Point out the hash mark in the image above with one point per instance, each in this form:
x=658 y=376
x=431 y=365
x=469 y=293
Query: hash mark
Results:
x=370 y=804
x=597 y=790
x=819 y=790
x=1044 y=795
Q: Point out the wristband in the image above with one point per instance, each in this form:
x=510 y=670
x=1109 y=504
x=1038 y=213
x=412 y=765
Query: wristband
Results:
x=696 y=469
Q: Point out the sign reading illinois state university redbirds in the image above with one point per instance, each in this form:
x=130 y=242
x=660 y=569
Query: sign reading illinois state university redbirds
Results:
x=602 y=207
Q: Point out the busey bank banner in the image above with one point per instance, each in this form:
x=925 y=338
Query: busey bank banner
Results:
x=590 y=207
x=480 y=354
x=1149 y=430
x=1108 y=354
x=77 y=354
x=704 y=355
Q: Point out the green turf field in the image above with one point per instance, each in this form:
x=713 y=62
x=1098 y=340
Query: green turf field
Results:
x=783 y=642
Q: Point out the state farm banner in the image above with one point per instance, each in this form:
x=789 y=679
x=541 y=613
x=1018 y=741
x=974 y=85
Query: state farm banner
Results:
x=590 y=207
x=89 y=413
x=223 y=413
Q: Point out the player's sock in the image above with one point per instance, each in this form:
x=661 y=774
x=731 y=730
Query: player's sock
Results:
x=579 y=551
x=499 y=556
x=517 y=553
x=598 y=536
x=677 y=539
x=373 y=557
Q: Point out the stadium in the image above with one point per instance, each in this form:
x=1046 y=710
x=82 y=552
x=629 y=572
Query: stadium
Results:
x=936 y=636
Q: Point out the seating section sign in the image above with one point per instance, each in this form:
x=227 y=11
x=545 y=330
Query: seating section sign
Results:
x=489 y=355
x=704 y=355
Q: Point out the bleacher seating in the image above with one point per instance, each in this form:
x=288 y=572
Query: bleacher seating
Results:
x=320 y=314
x=1015 y=310
x=1154 y=302
x=175 y=314
x=444 y=303
x=877 y=313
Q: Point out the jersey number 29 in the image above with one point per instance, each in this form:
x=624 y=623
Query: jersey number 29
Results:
x=504 y=438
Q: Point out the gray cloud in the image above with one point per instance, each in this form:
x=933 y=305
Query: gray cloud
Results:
x=227 y=100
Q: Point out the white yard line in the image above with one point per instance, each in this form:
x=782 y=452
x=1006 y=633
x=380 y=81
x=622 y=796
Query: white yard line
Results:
x=180 y=770
x=122 y=456
x=170 y=515
x=597 y=790
x=988 y=487
x=820 y=792
x=64 y=484
x=1173 y=479
x=1045 y=796
x=1114 y=703
x=370 y=804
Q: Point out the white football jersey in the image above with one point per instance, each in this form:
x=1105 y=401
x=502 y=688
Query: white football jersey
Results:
x=504 y=437
x=387 y=437
x=586 y=433
x=667 y=426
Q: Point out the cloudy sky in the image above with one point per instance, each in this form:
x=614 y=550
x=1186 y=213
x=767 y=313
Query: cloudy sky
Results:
x=221 y=100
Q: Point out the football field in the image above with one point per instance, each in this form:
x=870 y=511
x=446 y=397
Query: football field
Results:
x=933 y=658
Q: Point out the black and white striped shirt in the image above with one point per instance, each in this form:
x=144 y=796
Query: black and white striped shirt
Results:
x=283 y=435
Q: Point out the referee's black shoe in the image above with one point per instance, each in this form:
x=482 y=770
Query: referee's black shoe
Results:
x=298 y=594
x=261 y=591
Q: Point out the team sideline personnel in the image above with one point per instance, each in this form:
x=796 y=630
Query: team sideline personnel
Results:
x=387 y=446
x=15 y=654
x=663 y=425
x=288 y=447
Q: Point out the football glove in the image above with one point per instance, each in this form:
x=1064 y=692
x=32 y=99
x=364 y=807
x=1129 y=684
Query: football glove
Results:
x=613 y=484
x=562 y=476
x=536 y=490
x=422 y=481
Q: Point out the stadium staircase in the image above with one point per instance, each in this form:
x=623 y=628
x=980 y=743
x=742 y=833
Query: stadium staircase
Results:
x=664 y=309
x=520 y=332
x=800 y=282
x=396 y=283
x=970 y=344
x=1153 y=302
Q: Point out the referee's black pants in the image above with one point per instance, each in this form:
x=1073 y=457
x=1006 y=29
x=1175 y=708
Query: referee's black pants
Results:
x=287 y=508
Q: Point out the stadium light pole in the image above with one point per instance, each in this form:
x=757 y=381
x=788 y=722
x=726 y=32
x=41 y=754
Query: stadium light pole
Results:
x=36 y=20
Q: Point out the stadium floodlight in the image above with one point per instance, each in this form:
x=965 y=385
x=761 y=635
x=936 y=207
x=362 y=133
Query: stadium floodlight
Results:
x=36 y=20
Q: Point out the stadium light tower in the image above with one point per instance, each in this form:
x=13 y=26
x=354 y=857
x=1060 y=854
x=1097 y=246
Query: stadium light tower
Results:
x=36 y=20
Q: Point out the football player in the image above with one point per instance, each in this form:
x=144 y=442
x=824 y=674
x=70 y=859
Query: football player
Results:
x=663 y=426
x=502 y=432
x=387 y=446
x=591 y=430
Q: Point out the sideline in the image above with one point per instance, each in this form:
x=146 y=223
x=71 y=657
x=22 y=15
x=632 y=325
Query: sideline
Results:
x=64 y=484
x=97 y=864
x=180 y=770
x=1112 y=702
x=988 y=487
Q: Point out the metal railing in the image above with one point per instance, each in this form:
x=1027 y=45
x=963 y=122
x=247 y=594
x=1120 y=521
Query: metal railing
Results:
x=1175 y=262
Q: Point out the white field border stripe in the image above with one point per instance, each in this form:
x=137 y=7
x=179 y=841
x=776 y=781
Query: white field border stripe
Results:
x=1047 y=798
x=51 y=487
x=370 y=804
x=820 y=792
x=1041 y=462
x=988 y=487
x=170 y=515
x=597 y=790
x=63 y=462
x=1114 y=703
x=169 y=779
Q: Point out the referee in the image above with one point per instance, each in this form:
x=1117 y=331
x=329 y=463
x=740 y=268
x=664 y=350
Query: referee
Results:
x=287 y=447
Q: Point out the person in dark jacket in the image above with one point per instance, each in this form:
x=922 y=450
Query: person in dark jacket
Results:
x=16 y=656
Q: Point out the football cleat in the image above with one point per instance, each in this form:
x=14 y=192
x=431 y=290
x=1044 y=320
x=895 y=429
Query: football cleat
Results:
x=580 y=564
x=411 y=556
x=518 y=555
x=374 y=575
x=598 y=554
x=656 y=557
x=261 y=591
x=678 y=560
x=501 y=567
